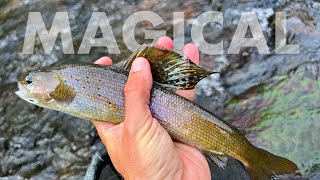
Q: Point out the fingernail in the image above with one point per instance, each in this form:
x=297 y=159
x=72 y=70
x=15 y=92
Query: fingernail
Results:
x=138 y=65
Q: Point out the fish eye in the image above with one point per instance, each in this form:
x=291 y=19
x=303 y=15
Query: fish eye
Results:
x=29 y=80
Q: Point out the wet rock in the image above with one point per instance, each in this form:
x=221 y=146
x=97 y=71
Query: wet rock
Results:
x=283 y=118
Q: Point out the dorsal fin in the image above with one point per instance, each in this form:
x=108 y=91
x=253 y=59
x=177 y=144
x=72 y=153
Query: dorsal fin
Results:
x=169 y=68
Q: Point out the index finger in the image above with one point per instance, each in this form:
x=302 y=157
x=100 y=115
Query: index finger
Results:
x=191 y=51
x=164 y=42
x=104 y=61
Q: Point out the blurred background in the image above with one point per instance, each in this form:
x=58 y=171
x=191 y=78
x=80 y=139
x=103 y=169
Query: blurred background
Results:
x=275 y=98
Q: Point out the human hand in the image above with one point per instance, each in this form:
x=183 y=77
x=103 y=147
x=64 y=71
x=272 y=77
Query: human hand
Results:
x=139 y=147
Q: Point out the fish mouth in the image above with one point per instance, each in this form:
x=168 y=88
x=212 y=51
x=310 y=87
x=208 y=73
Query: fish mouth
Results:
x=24 y=93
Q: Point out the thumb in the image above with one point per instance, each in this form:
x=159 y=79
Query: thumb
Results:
x=137 y=95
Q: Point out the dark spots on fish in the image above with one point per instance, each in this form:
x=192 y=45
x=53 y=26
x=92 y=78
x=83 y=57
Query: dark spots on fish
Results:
x=99 y=95
x=100 y=80
x=109 y=102
x=77 y=79
x=98 y=88
x=71 y=76
x=87 y=77
x=83 y=87
x=65 y=81
x=31 y=100
x=87 y=82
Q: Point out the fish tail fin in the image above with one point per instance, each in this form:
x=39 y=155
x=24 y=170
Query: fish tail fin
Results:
x=268 y=165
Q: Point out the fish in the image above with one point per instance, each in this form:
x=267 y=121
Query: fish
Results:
x=96 y=93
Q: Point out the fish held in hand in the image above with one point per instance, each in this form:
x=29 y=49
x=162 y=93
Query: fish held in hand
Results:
x=96 y=93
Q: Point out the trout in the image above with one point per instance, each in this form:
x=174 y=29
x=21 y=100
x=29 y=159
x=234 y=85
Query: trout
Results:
x=95 y=93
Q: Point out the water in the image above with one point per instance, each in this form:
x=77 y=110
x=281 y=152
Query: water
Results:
x=274 y=97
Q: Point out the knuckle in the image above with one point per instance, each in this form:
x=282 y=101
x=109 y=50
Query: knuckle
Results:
x=148 y=117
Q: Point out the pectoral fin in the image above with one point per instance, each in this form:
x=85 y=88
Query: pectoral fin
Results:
x=169 y=68
x=63 y=93
x=219 y=160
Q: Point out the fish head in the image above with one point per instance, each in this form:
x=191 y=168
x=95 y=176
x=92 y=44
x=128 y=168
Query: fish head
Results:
x=36 y=87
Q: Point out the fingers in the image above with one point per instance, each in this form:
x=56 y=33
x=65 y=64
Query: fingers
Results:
x=191 y=51
x=110 y=135
x=192 y=155
x=104 y=61
x=111 y=138
x=189 y=94
x=137 y=95
x=102 y=126
x=165 y=42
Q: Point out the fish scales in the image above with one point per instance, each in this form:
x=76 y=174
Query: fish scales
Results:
x=97 y=96
x=184 y=120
